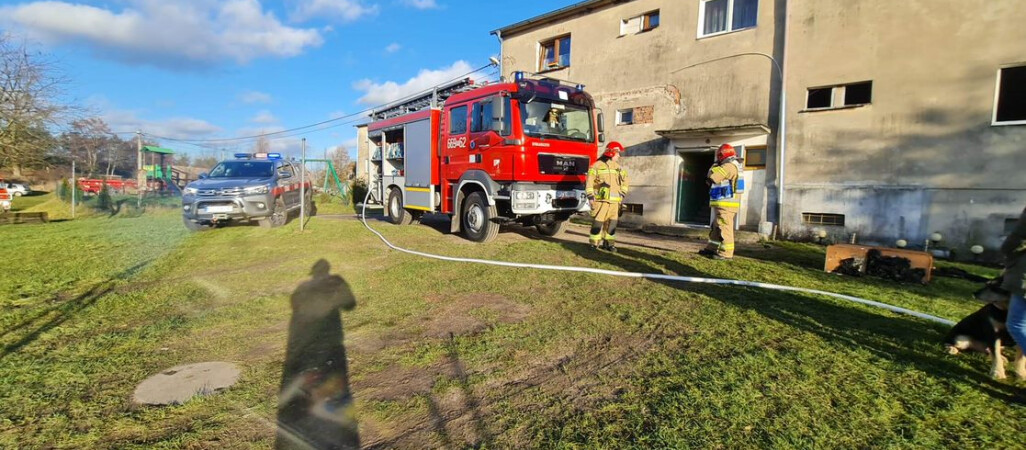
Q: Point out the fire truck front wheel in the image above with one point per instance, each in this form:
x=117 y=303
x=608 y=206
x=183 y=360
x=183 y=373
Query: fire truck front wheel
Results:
x=396 y=213
x=477 y=219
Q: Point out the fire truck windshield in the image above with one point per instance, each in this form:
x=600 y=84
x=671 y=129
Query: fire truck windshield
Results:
x=556 y=120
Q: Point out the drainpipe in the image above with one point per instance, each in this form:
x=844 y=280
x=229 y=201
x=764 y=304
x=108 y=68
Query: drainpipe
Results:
x=782 y=128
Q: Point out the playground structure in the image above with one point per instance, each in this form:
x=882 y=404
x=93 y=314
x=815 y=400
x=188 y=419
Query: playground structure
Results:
x=161 y=176
x=331 y=175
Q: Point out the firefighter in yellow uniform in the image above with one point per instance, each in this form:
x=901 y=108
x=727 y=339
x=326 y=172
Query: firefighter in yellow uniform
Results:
x=726 y=184
x=606 y=187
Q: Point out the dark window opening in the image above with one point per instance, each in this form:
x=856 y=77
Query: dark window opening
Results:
x=634 y=208
x=858 y=93
x=823 y=219
x=651 y=21
x=820 y=98
x=1011 y=99
x=625 y=116
x=458 y=120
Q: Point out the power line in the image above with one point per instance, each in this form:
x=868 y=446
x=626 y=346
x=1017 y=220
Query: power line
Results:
x=305 y=127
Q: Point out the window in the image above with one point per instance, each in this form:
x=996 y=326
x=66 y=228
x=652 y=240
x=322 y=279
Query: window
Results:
x=853 y=94
x=1010 y=98
x=755 y=157
x=721 y=16
x=823 y=219
x=858 y=93
x=820 y=98
x=555 y=54
x=481 y=117
x=634 y=208
x=645 y=22
x=625 y=116
x=458 y=120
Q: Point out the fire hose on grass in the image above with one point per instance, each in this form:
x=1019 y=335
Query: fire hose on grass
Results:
x=655 y=276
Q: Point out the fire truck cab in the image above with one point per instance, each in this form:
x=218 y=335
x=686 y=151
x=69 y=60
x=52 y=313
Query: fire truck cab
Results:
x=486 y=155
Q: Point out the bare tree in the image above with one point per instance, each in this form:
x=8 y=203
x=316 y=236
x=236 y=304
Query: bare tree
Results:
x=339 y=157
x=262 y=145
x=88 y=140
x=30 y=87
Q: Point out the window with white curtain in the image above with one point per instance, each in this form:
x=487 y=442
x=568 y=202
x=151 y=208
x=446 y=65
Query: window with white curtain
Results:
x=721 y=16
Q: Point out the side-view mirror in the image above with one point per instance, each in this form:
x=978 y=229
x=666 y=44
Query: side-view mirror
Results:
x=602 y=137
x=203 y=175
x=601 y=122
x=284 y=174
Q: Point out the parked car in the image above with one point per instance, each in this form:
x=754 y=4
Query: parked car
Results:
x=15 y=189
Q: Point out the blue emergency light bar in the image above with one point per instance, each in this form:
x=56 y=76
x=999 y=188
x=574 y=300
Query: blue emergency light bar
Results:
x=258 y=155
x=518 y=76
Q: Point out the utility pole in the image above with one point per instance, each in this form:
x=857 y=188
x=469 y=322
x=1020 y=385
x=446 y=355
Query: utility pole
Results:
x=302 y=188
x=74 y=187
x=140 y=176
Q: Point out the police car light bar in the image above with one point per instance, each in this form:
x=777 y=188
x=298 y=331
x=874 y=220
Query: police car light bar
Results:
x=273 y=156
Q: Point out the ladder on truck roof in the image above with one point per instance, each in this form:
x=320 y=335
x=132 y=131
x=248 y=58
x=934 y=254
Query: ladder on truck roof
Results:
x=433 y=98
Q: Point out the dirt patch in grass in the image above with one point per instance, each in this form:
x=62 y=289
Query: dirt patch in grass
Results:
x=470 y=314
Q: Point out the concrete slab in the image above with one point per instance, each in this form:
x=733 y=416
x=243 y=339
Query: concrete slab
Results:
x=178 y=384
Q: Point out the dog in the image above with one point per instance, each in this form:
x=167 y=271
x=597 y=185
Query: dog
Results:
x=984 y=331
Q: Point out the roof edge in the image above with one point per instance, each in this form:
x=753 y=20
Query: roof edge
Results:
x=551 y=16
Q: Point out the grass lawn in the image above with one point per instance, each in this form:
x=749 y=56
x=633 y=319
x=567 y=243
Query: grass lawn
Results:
x=452 y=355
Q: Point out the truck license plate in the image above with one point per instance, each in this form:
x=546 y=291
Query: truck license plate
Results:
x=566 y=194
x=219 y=209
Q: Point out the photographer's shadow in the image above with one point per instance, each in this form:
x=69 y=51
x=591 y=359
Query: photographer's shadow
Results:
x=315 y=404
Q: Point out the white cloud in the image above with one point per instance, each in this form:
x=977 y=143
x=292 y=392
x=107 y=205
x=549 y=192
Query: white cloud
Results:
x=161 y=33
x=174 y=127
x=264 y=117
x=380 y=93
x=346 y=10
x=393 y=47
x=422 y=4
x=250 y=97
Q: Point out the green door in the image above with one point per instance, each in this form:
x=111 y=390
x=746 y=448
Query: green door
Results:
x=688 y=175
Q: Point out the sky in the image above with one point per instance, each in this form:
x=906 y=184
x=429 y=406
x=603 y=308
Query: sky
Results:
x=189 y=72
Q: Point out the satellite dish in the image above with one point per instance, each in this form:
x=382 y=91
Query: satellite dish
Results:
x=493 y=60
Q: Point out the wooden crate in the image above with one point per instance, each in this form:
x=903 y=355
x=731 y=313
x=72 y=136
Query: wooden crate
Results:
x=838 y=252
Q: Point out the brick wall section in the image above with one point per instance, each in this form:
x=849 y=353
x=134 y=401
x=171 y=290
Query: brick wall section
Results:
x=643 y=114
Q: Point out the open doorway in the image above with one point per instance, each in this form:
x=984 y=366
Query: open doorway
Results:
x=692 y=191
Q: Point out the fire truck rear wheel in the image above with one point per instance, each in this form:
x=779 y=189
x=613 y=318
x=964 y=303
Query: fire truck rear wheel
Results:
x=552 y=228
x=396 y=213
x=477 y=218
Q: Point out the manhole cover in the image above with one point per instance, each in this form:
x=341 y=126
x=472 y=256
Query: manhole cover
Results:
x=180 y=383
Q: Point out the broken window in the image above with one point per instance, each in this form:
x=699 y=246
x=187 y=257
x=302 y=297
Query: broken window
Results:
x=1010 y=102
x=820 y=98
x=555 y=54
x=720 y=16
x=858 y=93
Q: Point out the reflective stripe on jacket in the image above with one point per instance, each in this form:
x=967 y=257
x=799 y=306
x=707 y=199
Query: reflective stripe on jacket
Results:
x=607 y=181
x=728 y=183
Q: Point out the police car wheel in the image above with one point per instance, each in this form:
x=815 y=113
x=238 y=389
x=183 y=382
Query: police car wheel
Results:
x=551 y=229
x=278 y=215
x=477 y=218
x=396 y=213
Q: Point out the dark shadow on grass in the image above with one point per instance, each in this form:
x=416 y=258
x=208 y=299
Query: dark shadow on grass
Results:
x=899 y=339
x=315 y=403
x=54 y=316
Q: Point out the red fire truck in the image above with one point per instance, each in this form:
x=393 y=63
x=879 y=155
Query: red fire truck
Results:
x=486 y=155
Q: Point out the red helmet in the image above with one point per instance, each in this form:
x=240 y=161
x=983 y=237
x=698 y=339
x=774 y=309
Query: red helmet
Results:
x=725 y=151
x=612 y=148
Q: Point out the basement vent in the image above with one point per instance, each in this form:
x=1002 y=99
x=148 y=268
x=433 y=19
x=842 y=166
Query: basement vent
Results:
x=634 y=208
x=823 y=219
